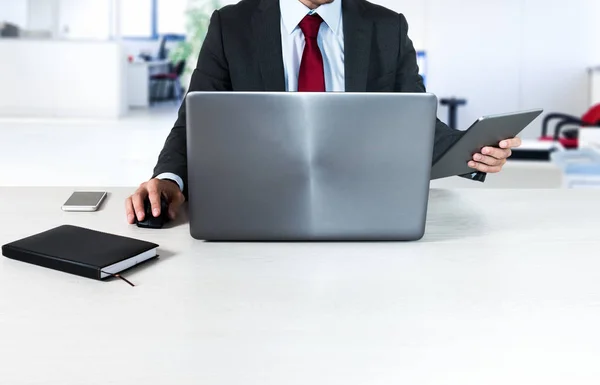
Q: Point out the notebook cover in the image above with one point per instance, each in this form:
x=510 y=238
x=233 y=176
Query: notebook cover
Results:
x=75 y=250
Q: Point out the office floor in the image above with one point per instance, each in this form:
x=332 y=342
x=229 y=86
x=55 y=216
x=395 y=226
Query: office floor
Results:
x=57 y=152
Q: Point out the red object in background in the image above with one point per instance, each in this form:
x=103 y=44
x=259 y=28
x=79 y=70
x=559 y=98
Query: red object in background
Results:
x=569 y=139
x=592 y=117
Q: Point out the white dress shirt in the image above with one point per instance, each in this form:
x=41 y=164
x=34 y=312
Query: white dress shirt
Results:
x=330 y=40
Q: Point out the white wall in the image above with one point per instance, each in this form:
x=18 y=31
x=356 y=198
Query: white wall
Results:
x=43 y=15
x=505 y=55
x=556 y=53
x=85 y=19
x=473 y=52
x=596 y=33
x=14 y=11
x=72 y=19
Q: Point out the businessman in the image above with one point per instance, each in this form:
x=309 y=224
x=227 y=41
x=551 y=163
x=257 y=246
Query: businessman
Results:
x=299 y=45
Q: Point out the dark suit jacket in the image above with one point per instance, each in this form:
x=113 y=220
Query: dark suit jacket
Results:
x=242 y=52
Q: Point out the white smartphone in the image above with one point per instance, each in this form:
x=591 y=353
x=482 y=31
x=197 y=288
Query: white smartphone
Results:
x=84 y=201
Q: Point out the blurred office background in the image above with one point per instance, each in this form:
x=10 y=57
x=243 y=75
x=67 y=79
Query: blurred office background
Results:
x=89 y=89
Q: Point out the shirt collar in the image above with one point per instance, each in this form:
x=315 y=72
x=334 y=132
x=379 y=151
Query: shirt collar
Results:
x=293 y=11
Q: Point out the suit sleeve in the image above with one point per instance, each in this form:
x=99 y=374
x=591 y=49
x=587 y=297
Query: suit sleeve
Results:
x=211 y=74
x=409 y=80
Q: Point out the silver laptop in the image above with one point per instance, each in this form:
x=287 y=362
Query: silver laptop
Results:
x=309 y=166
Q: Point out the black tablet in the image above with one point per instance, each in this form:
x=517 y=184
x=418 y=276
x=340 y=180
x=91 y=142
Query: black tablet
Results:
x=488 y=131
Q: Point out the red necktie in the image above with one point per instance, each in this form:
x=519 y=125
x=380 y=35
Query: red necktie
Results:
x=312 y=75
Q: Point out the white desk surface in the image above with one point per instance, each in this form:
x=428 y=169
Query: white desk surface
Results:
x=504 y=289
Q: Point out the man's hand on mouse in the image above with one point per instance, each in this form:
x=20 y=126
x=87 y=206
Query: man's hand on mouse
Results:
x=491 y=159
x=134 y=205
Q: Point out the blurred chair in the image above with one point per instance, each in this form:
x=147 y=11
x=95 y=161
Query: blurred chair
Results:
x=163 y=53
x=569 y=138
x=167 y=86
x=163 y=48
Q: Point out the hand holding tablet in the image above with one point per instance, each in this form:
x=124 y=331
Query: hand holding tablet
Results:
x=484 y=145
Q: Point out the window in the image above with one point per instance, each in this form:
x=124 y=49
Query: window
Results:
x=137 y=18
x=171 y=17
x=151 y=19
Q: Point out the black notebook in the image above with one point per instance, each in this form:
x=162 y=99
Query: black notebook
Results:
x=81 y=251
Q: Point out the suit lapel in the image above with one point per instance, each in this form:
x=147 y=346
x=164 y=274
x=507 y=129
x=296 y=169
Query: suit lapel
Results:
x=357 y=45
x=266 y=24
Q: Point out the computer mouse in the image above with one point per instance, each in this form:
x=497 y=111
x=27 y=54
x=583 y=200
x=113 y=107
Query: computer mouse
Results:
x=152 y=222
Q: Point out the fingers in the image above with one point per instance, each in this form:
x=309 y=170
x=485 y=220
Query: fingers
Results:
x=154 y=195
x=488 y=160
x=497 y=153
x=511 y=143
x=154 y=190
x=485 y=168
x=138 y=202
x=491 y=160
x=129 y=211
